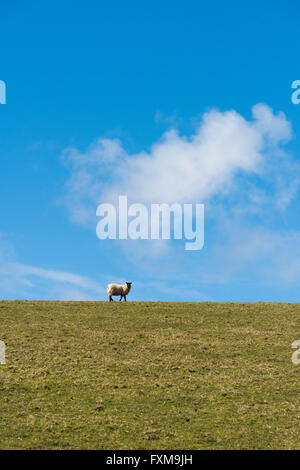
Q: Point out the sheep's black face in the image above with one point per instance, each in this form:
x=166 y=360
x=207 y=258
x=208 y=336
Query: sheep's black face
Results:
x=128 y=284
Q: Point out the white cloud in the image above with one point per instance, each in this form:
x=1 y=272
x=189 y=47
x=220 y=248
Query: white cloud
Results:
x=66 y=293
x=256 y=254
x=19 y=280
x=178 y=168
x=90 y=171
x=25 y=271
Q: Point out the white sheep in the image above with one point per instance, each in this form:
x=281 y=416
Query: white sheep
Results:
x=117 y=289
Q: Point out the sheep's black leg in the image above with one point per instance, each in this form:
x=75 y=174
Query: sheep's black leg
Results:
x=125 y=297
x=110 y=298
x=120 y=298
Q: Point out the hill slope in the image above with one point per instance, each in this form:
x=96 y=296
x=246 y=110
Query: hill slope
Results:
x=139 y=375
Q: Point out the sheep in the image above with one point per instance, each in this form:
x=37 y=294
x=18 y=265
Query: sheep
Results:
x=117 y=289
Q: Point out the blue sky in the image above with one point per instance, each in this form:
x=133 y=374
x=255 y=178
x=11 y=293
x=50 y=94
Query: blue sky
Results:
x=82 y=73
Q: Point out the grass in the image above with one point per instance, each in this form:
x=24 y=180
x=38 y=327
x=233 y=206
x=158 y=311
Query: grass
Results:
x=135 y=375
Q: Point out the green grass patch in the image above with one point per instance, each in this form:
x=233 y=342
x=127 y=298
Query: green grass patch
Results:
x=136 y=375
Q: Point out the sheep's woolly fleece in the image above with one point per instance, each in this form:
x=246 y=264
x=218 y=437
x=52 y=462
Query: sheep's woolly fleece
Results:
x=117 y=289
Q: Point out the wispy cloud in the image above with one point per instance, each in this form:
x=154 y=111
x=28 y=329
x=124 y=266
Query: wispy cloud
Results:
x=19 y=280
x=25 y=271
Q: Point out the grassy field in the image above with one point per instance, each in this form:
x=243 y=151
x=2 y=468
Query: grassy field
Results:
x=95 y=375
